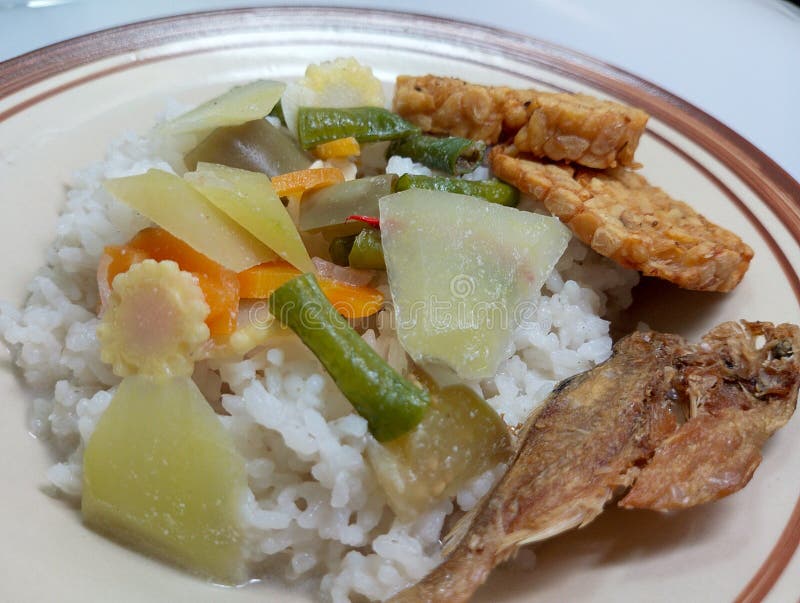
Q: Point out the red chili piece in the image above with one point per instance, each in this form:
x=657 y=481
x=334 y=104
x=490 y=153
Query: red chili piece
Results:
x=369 y=220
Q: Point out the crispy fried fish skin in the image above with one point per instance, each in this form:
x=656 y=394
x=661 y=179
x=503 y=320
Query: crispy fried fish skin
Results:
x=559 y=126
x=621 y=216
x=739 y=395
x=576 y=453
x=602 y=431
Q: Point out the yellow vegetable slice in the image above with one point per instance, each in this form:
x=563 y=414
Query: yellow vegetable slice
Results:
x=250 y=200
x=177 y=207
x=161 y=474
x=238 y=105
x=154 y=322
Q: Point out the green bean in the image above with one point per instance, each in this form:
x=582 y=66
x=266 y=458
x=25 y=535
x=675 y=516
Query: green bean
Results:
x=491 y=190
x=365 y=124
x=391 y=404
x=257 y=146
x=367 y=251
x=340 y=250
x=333 y=204
x=452 y=154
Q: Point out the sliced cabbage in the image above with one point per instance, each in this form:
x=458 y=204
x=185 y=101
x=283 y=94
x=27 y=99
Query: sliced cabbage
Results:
x=463 y=274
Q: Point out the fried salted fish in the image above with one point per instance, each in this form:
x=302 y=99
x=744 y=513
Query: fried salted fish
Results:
x=601 y=432
x=623 y=217
x=559 y=126
x=737 y=395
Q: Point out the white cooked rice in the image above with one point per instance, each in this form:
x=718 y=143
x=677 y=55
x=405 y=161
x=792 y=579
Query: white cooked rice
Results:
x=313 y=509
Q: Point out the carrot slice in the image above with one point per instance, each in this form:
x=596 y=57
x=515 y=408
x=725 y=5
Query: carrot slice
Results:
x=302 y=181
x=351 y=301
x=259 y=282
x=121 y=258
x=219 y=285
x=341 y=147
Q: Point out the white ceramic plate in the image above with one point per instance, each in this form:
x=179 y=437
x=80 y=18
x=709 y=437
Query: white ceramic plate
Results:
x=59 y=108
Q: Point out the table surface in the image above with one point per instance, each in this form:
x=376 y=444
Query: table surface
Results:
x=735 y=59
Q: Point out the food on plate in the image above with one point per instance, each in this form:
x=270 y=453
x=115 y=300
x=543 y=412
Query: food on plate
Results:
x=341 y=147
x=257 y=146
x=316 y=126
x=617 y=212
x=350 y=300
x=419 y=469
x=296 y=184
x=391 y=404
x=623 y=217
x=238 y=105
x=445 y=105
x=361 y=251
x=459 y=298
x=191 y=217
x=184 y=507
x=154 y=321
x=491 y=190
x=604 y=430
x=559 y=126
x=450 y=154
x=220 y=287
x=740 y=391
x=250 y=199
x=331 y=206
x=288 y=335
x=343 y=82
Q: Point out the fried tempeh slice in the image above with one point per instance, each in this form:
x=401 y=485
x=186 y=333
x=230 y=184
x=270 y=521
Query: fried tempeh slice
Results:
x=623 y=217
x=559 y=126
x=731 y=416
x=580 y=128
x=588 y=441
x=446 y=105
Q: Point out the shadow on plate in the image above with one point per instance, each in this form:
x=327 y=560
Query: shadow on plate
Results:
x=667 y=308
x=617 y=537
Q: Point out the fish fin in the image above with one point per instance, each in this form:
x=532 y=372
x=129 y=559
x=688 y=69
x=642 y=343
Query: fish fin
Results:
x=519 y=538
x=459 y=530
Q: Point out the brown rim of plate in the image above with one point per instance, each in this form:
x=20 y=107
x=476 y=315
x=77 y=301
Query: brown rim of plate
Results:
x=762 y=175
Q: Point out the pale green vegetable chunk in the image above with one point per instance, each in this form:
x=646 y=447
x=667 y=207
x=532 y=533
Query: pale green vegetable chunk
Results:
x=463 y=274
x=248 y=198
x=172 y=203
x=236 y=106
x=459 y=438
x=161 y=474
x=332 y=205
